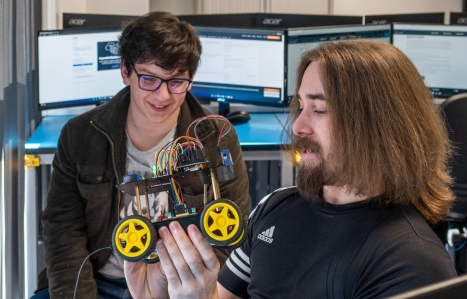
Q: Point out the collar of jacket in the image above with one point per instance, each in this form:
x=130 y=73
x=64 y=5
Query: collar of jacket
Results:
x=111 y=117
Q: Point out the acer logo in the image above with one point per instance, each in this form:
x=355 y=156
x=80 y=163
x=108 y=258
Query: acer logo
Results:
x=272 y=21
x=462 y=21
x=379 y=22
x=78 y=22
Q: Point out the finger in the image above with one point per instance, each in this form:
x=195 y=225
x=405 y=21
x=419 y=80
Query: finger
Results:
x=205 y=250
x=166 y=261
x=187 y=257
x=189 y=251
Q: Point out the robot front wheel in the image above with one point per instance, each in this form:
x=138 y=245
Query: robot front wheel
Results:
x=220 y=222
x=134 y=238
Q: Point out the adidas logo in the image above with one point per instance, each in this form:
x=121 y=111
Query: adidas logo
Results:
x=266 y=236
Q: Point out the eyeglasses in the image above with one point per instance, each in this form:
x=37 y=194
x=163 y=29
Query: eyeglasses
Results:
x=153 y=83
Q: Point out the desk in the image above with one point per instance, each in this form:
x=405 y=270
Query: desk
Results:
x=263 y=131
x=43 y=142
x=260 y=139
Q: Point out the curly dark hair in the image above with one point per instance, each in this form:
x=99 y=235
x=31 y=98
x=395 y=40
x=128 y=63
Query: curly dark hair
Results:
x=160 y=37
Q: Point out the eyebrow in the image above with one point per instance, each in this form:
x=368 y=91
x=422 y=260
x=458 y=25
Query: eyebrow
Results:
x=315 y=96
x=149 y=73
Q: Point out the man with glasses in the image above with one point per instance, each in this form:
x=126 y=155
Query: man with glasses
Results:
x=159 y=59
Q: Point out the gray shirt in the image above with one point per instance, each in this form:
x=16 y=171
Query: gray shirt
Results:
x=140 y=163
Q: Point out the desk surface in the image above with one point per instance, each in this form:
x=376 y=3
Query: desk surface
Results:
x=45 y=138
x=262 y=132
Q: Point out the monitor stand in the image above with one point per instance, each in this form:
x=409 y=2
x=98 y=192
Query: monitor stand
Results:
x=235 y=117
x=224 y=108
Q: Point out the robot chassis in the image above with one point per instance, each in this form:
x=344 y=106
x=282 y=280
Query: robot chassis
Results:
x=220 y=220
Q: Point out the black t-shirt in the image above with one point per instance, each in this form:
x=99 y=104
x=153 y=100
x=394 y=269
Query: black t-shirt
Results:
x=298 y=248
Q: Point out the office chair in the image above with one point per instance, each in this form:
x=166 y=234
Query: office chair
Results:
x=455 y=116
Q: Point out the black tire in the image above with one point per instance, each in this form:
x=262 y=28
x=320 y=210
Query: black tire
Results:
x=237 y=243
x=134 y=238
x=152 y=258
x=221 y=222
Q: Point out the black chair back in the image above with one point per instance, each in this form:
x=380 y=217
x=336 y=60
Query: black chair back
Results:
x=455 y=115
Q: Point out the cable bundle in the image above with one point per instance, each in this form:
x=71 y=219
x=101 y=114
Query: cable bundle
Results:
x=185 y=154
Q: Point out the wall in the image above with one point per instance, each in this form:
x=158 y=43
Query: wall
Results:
x=367 y=7
x=180 y=7
x=300 y=7
x=112 y=7
x=241 y=6
x=133 y=7
x=67 y=6
x=183 y=7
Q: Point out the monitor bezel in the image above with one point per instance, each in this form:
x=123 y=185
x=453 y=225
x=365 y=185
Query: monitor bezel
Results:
x=92 y=21
x=68 y=103
x=434 y=90
x=270 y=20
x=455 y=17
x=225 y=102
x=418 y=18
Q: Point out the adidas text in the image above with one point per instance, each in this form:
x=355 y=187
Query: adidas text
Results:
x=264 y=238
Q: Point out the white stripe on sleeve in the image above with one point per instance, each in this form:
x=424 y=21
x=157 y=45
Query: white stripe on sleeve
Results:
x=237 y=272
x=243 y=256
x=240 y=263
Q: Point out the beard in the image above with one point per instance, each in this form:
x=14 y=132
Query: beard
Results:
x=312 y=176
x=310 y=179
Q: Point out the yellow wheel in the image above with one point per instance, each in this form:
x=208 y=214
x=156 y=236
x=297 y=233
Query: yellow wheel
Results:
x=152 y=258
x=221 y=222
x=238 y=242
x=134 y=238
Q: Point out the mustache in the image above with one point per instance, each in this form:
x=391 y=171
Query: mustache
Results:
x=300 y=144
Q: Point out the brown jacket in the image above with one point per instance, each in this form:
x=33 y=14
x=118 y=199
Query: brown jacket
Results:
x=83 y=203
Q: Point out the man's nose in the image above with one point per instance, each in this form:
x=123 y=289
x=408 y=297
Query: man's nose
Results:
x=162 y=93
x=301 y=126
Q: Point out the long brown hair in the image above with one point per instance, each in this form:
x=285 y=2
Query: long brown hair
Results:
x=387 y=135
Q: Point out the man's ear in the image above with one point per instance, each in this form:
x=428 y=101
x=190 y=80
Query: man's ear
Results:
x=125 y=74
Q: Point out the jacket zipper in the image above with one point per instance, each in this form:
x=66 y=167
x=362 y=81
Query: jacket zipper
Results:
x=113 y=163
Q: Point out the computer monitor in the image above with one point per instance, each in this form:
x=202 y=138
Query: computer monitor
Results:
x=84 y=20
x=458 y=18
x=438 y=52
x=304 y=20
x=269 y=20
x=455 y=288
x=426 y=18
x=77 y=67
x=224 y=20
x=241 y=65
x=303 y=39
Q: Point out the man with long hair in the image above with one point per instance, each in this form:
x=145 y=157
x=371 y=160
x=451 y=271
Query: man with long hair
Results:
x=371 y=175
